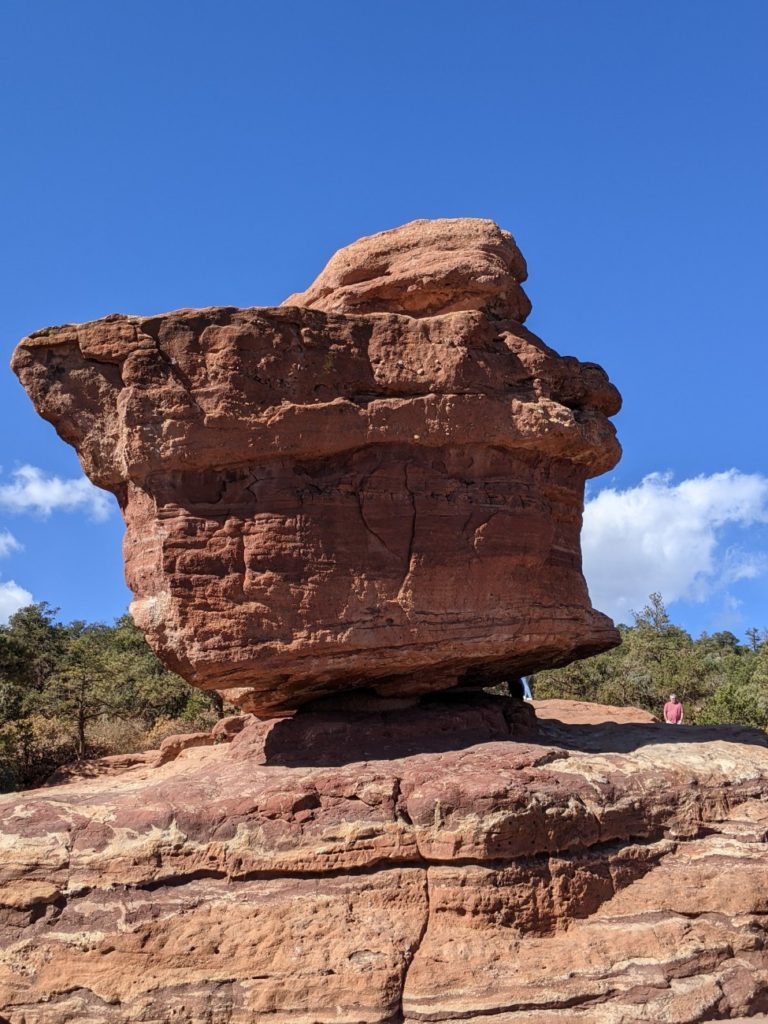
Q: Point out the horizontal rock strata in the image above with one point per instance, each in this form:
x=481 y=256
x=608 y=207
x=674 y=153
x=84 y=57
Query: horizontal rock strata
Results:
x=603 y=872
x=381 y=481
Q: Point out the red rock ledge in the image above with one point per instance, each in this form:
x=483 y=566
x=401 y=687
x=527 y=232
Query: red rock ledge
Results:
x=325 y=869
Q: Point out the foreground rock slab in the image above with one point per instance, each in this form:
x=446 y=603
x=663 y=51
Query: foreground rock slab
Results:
x=318 y=869
x=380 y=481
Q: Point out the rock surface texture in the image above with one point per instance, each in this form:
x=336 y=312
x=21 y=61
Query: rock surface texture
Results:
x=380 y=480
x=327 y=868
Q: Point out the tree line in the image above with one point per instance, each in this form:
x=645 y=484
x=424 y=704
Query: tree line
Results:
x=74 y=691
x=718 y=677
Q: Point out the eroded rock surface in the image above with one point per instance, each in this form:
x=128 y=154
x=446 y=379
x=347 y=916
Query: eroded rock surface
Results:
x=382 y=480
x=425 y=268
x=317 y=869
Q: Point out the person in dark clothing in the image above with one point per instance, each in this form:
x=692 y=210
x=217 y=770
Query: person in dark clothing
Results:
x=516 y=688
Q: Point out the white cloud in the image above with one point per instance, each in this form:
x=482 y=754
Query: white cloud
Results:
x=8 y=543
x=32 y=491
x=12 y=597
x=667 y=537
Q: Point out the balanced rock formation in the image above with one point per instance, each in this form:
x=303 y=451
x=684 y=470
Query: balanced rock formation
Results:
x=449 y=864
x=381 y=481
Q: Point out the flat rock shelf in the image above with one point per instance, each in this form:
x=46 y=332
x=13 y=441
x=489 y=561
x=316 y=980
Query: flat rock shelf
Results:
x=595 y=867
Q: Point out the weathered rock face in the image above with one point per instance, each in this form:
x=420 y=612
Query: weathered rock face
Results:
x=423 y=269
x=324 y=868
x=382 y=480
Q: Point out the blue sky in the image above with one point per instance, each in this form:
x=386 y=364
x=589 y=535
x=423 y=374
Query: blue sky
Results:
x=159 y=155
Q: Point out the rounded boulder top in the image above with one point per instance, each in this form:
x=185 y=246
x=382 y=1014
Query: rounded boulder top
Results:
x=424 y=268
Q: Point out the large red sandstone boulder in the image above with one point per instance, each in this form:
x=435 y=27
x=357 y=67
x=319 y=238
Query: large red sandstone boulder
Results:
x=326 y=868
x=381 y=481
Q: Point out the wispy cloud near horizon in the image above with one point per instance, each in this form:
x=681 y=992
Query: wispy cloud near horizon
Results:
x=8 y=543
x=32 y=490
x=670 y=537
x=12 y=597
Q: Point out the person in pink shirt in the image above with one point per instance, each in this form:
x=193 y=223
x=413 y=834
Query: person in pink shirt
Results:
x=673 y=711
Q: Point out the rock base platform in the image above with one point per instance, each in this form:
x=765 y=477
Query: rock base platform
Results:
x=574 y=864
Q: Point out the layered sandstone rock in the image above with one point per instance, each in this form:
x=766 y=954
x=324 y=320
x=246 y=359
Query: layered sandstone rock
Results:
x=326 y=869
x=382 y=480
x=423 y=269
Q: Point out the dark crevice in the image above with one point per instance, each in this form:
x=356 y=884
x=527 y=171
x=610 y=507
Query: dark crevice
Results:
x=419 y=862
x=401 y=806
x=273 y=875
x=360 y=494
x=412 y=535
x=412 y=951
